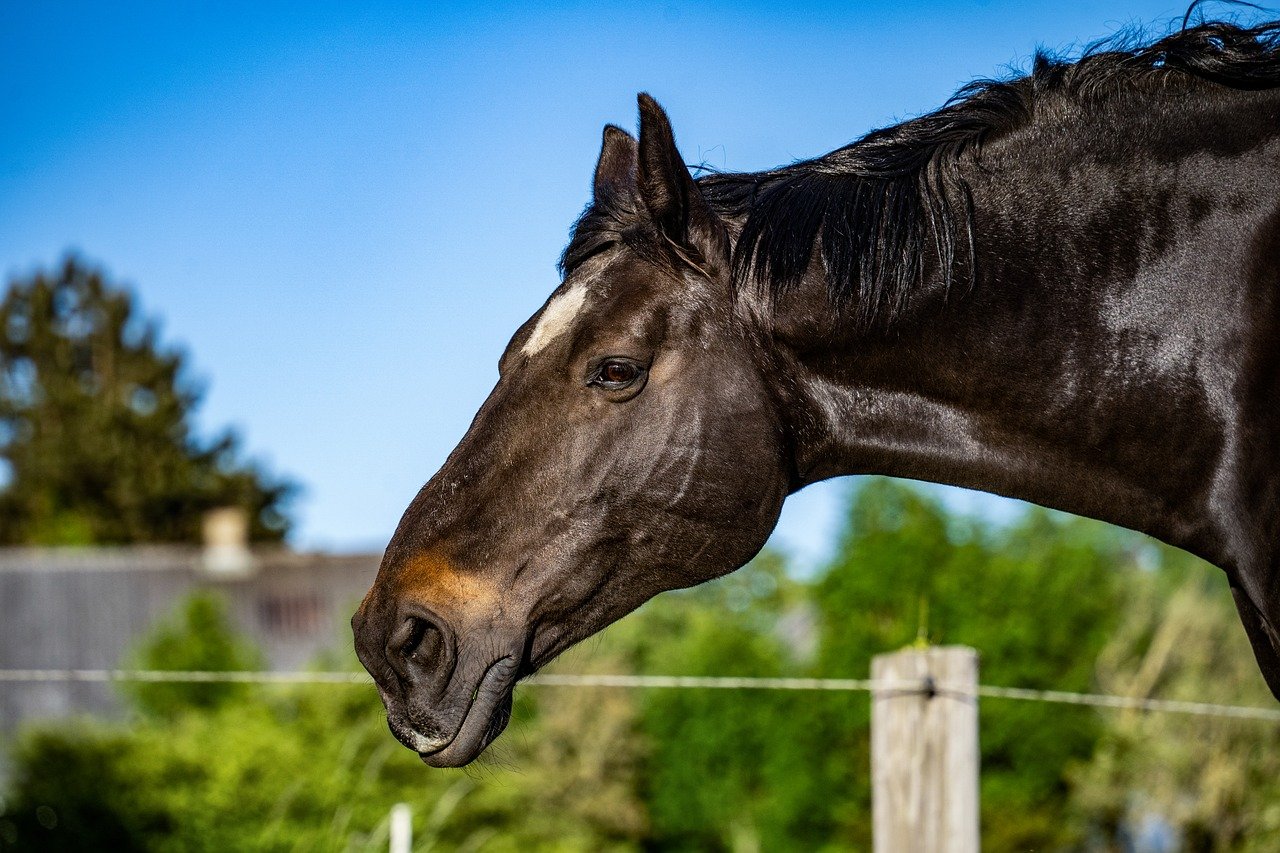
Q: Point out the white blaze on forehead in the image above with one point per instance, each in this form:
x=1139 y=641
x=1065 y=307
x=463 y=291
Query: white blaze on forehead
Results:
x=557 y=318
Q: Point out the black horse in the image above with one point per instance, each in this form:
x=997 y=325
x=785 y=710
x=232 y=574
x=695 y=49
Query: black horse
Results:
x=1064 y=288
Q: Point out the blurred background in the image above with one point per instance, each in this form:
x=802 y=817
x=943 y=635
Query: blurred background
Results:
x=259 y=262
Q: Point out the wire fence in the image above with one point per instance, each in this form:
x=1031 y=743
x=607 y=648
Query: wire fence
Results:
x=667 y=682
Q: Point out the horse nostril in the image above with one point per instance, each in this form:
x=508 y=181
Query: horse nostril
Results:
x=408 y=636
x=418 y=644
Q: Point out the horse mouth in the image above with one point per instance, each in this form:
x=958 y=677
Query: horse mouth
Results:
x=486 y=717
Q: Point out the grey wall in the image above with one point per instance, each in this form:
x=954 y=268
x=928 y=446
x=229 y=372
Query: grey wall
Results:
x=85 y=609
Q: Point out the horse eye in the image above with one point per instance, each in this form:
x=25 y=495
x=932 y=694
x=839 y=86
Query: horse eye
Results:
x=618 y=372
x=615 y=374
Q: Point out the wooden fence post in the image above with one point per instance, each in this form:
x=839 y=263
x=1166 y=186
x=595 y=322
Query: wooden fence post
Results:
x=924 y=751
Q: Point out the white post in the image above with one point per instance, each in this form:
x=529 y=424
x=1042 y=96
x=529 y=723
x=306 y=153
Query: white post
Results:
x=401 y=828
x=924 y=751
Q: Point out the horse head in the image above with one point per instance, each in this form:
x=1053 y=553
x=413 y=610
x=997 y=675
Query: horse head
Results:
x=633 y=444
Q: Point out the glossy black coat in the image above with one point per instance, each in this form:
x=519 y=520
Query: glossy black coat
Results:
x=1064 y=288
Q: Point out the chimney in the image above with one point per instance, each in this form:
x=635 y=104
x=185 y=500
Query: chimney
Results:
x=226 y=543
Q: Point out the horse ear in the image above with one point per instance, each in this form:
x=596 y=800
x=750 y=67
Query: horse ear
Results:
x=667 y=189
x=616 y=169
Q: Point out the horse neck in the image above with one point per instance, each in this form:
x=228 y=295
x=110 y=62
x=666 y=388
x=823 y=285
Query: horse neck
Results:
x=1093 y=367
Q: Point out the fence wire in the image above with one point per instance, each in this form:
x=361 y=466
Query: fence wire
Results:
x=666 y=682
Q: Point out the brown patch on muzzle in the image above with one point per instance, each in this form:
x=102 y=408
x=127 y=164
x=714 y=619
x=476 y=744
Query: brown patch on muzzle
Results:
x=433 y=580
x=430 y=633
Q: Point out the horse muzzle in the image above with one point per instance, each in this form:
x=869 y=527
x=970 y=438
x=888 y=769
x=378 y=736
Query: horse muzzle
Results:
x=444 y=702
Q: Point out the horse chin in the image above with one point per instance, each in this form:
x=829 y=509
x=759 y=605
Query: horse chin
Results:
x=462 y=751
x=487 y=717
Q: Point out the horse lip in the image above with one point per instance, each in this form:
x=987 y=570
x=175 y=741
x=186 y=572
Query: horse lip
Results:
x=488 y=695
x=424 y=745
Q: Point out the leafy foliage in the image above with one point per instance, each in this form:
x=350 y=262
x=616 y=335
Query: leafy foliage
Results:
x=1050 y=601
x=198 y=638
x=1214 y=781
x=730 y=768
x=1036 y=599
x=96 y=443
x=312 y=768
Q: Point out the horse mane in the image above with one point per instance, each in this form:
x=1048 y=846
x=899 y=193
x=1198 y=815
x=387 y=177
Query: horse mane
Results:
x=875 y=208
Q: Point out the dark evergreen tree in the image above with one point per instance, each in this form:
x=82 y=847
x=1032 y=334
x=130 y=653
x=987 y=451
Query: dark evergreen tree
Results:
x=96 y=441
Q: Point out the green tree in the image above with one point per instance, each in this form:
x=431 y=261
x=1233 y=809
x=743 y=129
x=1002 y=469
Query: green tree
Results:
x=96 y=444
x=606 y=769
x=729 y=769
x=70 y=790
x=1215 y=780
x=198 y=637
x=1036 y=599
x=314 y=768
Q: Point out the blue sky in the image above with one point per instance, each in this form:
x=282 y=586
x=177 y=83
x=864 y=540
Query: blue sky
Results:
x=343 y=211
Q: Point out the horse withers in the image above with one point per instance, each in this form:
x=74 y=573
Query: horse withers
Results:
x=1063 y=288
